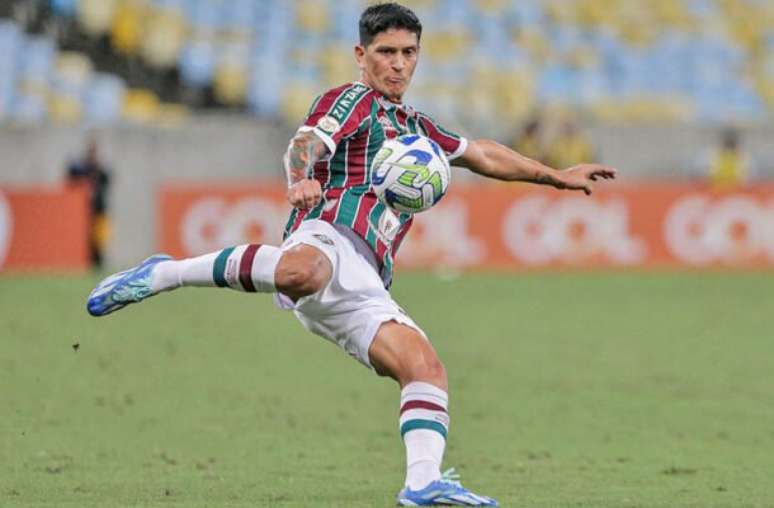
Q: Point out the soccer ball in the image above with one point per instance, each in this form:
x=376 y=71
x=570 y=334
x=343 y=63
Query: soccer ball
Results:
x=410 y=173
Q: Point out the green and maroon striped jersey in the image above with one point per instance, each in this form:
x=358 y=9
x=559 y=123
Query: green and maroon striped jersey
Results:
x=354 y=120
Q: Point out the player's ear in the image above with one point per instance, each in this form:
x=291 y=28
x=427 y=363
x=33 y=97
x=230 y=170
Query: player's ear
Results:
x=360 y=56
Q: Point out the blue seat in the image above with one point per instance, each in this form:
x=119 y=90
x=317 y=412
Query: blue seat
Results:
x=36 y=59
x=63 y=7
x=197 y=62
x=104 y=99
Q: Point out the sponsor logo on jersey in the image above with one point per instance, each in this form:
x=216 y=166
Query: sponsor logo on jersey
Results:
x=324 y=239
x=329 y=124
x=5 y=227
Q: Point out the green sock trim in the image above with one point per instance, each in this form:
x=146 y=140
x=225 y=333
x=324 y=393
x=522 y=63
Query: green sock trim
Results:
x=219 y=269
x=422 y=424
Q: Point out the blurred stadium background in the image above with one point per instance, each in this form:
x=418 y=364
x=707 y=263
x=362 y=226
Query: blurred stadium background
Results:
x=208 y=91
x=631 y=367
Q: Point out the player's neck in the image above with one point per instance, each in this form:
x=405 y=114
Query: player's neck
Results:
x=398 y=101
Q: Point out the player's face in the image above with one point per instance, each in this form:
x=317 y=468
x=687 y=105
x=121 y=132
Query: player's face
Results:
x=388 y=63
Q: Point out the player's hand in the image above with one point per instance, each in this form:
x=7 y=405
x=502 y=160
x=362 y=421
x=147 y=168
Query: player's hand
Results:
x=580 y=177
x=305 y=193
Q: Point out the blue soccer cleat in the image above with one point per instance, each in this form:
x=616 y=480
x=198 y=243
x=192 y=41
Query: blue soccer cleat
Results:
x=446 y=491
x=123 y=288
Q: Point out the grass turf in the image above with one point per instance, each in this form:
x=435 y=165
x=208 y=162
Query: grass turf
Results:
x=567 y=390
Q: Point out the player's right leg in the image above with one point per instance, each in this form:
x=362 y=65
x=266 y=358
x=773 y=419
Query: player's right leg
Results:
x=299 y=271
x=403 y=353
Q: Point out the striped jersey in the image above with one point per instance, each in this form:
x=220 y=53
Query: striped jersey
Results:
x=353 y=121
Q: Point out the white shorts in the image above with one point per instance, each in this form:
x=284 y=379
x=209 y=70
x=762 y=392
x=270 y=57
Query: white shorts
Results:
x=350 y=309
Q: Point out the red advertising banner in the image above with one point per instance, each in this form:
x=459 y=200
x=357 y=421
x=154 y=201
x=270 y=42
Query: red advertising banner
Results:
x=43 y=228
x=515 y=225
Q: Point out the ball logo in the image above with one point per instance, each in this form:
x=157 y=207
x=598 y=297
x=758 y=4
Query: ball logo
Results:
x=6 y=228
x=211 y=223
x=732 y=230
x=573 y=230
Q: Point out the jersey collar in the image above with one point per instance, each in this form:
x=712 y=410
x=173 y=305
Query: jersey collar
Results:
x=387 y=104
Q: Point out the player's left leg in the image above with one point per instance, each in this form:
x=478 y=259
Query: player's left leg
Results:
x=245 y=268
x=295 y=270
x=403 y=353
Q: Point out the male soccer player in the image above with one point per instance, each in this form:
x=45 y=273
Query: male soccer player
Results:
x=335 y=266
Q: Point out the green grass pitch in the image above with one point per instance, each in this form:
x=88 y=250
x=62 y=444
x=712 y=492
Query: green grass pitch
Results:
x=567 y=390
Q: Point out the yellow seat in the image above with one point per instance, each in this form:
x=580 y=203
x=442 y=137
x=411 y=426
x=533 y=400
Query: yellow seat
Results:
x=230 y=84
x=64 y=108
x=492 y=7
x=446 y=46
x=172 y=115
x=296 y=100
x=165 y=32
x=337 y=65
x=140 y=105
x=515 y=95
x=312 y=16
x=95 y=16
x=126 y=32
x=74 y=65
x=644 y=110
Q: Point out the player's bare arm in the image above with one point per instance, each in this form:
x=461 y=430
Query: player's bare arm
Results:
x=493 y=160
x=305 y=149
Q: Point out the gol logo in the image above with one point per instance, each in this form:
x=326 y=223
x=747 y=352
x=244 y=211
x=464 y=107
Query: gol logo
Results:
x=6 y=228
x=441 y=237
x=211 y=223
x=571 y=230
x=732 y=230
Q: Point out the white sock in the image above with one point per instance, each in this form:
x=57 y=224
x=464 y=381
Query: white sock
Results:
x=243 y=268
x=424 y=423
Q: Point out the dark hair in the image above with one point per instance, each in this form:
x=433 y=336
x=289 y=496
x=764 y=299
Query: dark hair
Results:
x=381 y=17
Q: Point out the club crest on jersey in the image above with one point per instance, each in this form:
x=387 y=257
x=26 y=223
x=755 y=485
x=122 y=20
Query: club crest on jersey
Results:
x=388 y=127
x=329 y=124
x=388 y=226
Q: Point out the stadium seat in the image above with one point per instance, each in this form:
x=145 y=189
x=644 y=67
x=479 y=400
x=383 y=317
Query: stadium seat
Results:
x=96 y=16
x=104 y=99
x=37 y=60
x=65 y=8
x=126 y=29
x=592 y=54
x=140 y=106
x=231 y=72
x=165 y=30
x=72 y=72
x=197 y=58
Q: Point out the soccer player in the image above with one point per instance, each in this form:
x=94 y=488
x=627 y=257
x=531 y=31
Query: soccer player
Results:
x=335 y=266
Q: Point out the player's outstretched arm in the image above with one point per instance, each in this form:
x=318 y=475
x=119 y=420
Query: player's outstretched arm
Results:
x=304 y=150
x=493 y=160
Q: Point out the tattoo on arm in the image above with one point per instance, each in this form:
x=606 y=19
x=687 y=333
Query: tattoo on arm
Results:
x=546 y=179
x=305 y=149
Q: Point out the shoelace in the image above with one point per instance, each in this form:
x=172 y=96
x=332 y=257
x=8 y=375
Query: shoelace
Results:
x=134 y=291
x=452 y=477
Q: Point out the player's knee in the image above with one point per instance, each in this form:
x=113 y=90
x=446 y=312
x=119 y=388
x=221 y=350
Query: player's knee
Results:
x=429 y=369
x=302 y=275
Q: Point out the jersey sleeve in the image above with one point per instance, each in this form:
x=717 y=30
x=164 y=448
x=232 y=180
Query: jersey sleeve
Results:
x=336 y=114
x=453 y=144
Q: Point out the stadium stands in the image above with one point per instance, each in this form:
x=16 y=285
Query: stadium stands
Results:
x=665 y=60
